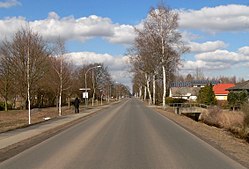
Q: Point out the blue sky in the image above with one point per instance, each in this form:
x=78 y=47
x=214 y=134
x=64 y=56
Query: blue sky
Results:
x=101 y=30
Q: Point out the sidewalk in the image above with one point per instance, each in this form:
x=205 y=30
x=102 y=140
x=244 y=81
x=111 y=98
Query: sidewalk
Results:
x=13 y=137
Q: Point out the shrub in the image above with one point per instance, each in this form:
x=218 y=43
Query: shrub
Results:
x=245 y=110
x=223 y=119
x=235 y=122
x=223 y=104
x=236 y=99
x=206 y=95
x=212 y=117
x=170 y=100
x=2 y=106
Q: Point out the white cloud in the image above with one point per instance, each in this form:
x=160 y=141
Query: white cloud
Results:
x=53 y=15
x=222 y=56
x=218 y=55
x=9 y=3
x=188 y=36
x=216 y=19
x=192 y=65
x=9 y=26
x=123 y=34
x=118 y=65
x=69 y=28
x=207 y=46
x=244 y=50
x=219 y=60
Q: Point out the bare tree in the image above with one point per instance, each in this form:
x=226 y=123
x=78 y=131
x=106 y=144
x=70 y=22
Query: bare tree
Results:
x=62 y=70
x=98 y=79
x=103 y=81
x=138 y=84
x=189 y=78
x=160 y=43
x=199 y=75
x=142 y=65
x=6 y=80
x=162 y=23
x=27 y=56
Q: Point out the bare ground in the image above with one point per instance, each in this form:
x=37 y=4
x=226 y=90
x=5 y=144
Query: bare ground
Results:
x=13 y=119
x=221 y=139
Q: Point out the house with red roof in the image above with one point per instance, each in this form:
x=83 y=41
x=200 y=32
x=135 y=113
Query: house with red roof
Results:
x=188 y=90
x=220 y=90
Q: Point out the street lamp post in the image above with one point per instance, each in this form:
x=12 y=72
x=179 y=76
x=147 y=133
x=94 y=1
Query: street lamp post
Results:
x=86 y=94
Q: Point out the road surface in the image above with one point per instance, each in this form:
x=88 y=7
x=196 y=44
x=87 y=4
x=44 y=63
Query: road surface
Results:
x=127 y=135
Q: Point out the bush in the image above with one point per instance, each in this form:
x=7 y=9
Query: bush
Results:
x=235 y=122
x=206 y=95
x=223 y=104
x=223 y=119
x=245 y=110
x=170 y=100
x=2 y=106
x=212 y=117
x=236 y=99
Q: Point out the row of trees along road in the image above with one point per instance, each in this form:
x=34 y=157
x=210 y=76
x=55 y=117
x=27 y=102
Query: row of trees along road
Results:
x=36 y=73
x=156 y=52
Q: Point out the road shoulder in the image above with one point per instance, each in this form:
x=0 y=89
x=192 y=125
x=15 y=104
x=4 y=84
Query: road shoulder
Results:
x=221 y=139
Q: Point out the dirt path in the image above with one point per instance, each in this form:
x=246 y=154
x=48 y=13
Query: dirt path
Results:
x=219 y=138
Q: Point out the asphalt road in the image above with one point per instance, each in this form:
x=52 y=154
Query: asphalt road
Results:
x=125 y=136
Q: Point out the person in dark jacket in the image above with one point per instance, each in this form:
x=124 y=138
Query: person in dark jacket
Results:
x=77 y=104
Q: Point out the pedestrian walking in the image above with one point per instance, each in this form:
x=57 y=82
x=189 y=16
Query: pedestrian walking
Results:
x=77 y=104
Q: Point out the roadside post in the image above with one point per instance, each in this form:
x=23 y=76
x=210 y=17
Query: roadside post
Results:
x=85 y=95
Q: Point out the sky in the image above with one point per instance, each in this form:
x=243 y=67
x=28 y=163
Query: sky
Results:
x=101 y=31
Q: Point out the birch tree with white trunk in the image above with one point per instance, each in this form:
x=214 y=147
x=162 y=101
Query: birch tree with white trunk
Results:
x=164 y=41
x=62 y=69
x=27 y=55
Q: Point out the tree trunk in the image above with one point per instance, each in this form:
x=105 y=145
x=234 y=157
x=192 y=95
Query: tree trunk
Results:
x=61 y=87
x=140 y=92
x=60 y=103
x=5 y=105
x=145 y=93
x=5 y=98
x=154 y=89
x=164 y=86
x=164 y=71
x=93 y=99
x=68 y=102
x=60 y=94
x=5 y=95
x=148 y=88
x=28 y=87
x=109 y=93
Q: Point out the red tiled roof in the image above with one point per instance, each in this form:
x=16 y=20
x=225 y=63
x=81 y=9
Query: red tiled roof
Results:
x=221 y=88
